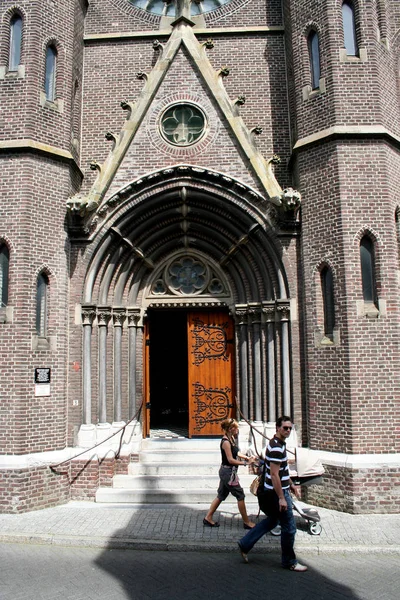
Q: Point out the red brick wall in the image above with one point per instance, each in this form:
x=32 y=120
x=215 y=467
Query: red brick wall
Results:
x=363 y=491
x=346 y=393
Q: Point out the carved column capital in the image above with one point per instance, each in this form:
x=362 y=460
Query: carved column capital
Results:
x=283 y=311
x=103 y=315
x=241 y=314
x=119 y=316
x=254 y=312
x=133 y=317
x=269 y=311
x=88 y=314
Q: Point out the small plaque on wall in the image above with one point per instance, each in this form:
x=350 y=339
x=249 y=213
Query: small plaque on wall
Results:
x=42 y=381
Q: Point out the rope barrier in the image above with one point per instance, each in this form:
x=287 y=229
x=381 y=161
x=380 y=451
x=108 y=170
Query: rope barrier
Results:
x=252 y=429
x=117 y=454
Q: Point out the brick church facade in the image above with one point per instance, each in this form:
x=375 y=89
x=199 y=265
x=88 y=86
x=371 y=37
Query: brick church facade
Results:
x=199 y=218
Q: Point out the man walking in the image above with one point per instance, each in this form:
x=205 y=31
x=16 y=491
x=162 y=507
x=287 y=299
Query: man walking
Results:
x=275 y=500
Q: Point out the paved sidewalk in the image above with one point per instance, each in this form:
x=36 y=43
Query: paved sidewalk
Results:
x=180 y=527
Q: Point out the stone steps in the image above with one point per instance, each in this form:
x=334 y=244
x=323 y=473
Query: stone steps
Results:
x=172 y=472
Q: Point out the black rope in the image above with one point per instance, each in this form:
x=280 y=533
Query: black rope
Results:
x=117 y=455
x=252 y=429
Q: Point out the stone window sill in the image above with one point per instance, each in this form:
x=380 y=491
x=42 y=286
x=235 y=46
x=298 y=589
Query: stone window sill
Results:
x=309 y=93
x=370 y=310
x=18 y=73
x=56 y=105
x=6 y=314
x=349 y=58
x=40 y=344
x=321 y=340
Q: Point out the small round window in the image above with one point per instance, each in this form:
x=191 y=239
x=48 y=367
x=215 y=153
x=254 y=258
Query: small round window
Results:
x=183 y=124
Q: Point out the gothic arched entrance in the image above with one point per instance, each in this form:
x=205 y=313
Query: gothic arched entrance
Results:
x=182 y=246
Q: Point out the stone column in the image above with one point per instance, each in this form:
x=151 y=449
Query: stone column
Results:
x=255 y=316
x=270 y=313
x=88 y=316
x=119 y=316
x=241 y=321
x=103 y=318
x=284 y=311
x=133 y=321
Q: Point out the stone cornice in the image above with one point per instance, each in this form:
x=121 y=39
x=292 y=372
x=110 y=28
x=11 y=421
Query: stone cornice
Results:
x=29 y=145
x=346 y=131
x=157 y=33
x=357 y=461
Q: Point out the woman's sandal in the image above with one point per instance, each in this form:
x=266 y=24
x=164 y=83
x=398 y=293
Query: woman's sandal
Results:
x=205 y=522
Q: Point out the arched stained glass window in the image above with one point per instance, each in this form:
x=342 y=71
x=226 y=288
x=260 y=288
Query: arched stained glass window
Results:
x=328 y=301
x=50 y=73
x=367 y=258
x=15 y=43
x=4 y=269
x=313 y=51
x=349 y=29
x=41 y=304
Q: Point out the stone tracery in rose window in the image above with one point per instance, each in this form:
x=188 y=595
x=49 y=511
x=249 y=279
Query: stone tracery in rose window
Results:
x=188 y=276
x=167 y=8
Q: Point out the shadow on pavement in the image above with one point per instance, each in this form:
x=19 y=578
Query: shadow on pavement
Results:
x=178 y=572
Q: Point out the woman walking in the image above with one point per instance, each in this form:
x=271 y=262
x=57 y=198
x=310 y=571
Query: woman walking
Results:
x=228 y=479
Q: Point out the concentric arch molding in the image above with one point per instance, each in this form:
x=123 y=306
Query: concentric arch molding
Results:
x=182 y=173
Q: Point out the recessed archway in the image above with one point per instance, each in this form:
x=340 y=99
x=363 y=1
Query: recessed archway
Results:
x=228 y=229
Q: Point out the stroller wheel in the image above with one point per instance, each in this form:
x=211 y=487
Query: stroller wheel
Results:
x=314 y=528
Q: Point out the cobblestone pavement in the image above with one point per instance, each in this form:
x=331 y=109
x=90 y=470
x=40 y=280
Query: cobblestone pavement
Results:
x=180 y=527
x=32 y=572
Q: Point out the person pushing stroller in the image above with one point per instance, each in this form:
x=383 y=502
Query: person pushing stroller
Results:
x=275 y=501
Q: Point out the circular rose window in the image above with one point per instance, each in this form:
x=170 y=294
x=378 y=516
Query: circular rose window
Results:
x=161 y=7
x=183 y=124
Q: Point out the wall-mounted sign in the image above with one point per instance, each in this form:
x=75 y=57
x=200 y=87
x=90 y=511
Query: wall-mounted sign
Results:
x=42 y=375
x=42 y=381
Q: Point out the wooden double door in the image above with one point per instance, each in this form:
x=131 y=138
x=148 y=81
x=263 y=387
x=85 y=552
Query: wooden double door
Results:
x=189 y=371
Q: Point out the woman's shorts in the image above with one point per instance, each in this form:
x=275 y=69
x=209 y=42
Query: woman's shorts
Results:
x=225 y=489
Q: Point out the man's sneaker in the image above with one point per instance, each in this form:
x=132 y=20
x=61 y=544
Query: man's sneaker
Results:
x=298 y=567
x=244 y=555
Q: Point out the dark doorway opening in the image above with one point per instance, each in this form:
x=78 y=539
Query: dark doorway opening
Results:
x=168 y=369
